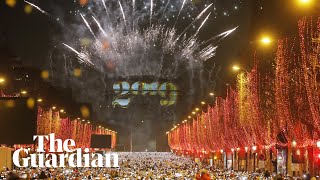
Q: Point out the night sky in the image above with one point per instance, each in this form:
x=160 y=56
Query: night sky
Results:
x=34 y=41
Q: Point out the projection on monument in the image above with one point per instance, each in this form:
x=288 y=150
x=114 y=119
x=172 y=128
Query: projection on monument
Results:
x=125 y=91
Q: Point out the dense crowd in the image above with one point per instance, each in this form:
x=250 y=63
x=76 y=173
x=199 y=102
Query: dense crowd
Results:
x=160 y=166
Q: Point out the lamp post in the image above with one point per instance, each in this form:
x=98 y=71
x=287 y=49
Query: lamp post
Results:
x=222 y=162
x=232 y=157
x=238 y=160
x=254 y=148
x=246 y=148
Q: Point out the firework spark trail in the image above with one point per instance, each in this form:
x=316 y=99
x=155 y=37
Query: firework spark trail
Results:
x=151 y=10
x=71 y=48
x=133 y=5
x=87 y=24
x=165 y=9
x=123 y=15
x=224 y=34
x=104 y=5
x=37 y=7
x=197 y=18
x=83 y=58
x=183 y=3
x=100 y=27
x=203 y=22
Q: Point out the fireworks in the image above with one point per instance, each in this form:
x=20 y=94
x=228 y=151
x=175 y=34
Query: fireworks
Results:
x=136 y=41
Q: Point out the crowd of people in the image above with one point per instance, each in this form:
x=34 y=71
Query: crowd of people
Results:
x=143 y=166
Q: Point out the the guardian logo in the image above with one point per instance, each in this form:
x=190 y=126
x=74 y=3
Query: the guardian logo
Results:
x=63 y=154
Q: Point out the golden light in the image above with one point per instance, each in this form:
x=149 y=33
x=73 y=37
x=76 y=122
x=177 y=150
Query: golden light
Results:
x=62 y=110
x=197 y=109
x=203 y=103
x=265 y=40
x=211 y=94
x=39 y=100
x=294 y=143
x=45 y=74
x=2 y=80
x=304 y=2
x=236 y=68
x=167 y=132
x=85 y=111
x=83 y=120
x=11 y=3
x=189 y=117
x=53 y=107
x=30 y=103
x=215 y=157
x=77 y=72
x=27 y=9
x=10 y=104
x=83 y=2
x=193 y=112
x=24 y=92
x=254 y=148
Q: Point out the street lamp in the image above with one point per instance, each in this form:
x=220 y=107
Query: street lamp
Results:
x=23 y=92
x=236 y=68
x=294 y=143
x=304 y=2
x=254 y=148
x=265 y=40
x=2 y=80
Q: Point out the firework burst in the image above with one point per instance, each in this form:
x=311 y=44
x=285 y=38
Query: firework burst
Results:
x=134 y=38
